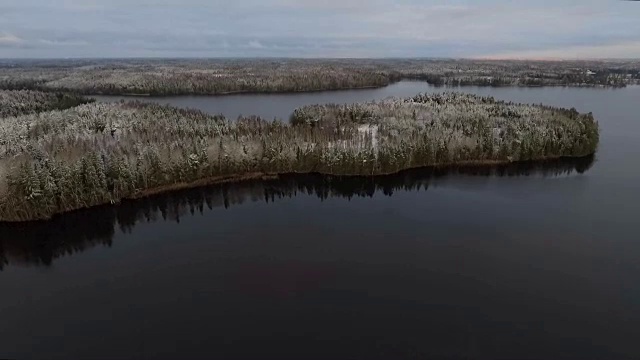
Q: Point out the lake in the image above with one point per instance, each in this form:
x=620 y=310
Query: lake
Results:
x=525 y=261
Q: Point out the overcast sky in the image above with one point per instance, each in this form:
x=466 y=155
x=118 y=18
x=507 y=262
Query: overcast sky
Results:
x=320 y=28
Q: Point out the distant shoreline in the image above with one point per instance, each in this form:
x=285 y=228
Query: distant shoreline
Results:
x=312 y=91
x=240 y=92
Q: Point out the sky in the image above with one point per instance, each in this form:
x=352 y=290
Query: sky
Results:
x=541 y=29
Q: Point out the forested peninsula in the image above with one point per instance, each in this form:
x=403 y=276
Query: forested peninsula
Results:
x=66 y=158
x=163 y=77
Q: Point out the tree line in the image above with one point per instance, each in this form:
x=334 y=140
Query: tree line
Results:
x=16 y=103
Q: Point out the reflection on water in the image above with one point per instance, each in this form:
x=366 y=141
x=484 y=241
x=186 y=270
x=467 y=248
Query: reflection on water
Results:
x=40 y=243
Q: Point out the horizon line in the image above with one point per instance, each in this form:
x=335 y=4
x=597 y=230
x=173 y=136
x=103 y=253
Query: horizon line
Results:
x=473 y=58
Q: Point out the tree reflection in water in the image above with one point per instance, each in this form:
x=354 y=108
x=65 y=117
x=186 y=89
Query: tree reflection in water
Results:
x=40 y=243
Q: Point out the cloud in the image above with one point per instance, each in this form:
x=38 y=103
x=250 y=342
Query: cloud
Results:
x=9 y=39
x=607 y=51
x=311 y=28
x=256 y=45
x=82 y=5
x=64 y=42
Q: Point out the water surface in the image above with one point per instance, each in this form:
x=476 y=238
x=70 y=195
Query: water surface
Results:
x=522 y=262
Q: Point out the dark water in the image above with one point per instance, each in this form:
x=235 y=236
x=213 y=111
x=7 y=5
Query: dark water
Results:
x=527 y=262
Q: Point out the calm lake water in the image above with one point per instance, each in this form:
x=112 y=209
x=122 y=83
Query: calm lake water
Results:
x=520 y=262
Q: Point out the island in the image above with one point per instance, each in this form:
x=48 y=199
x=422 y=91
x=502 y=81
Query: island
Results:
x=68 y=153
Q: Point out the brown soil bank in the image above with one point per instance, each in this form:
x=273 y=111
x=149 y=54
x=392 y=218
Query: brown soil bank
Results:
x=93 y=154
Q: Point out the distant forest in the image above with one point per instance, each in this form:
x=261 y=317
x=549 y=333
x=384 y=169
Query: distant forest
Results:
x=228 y=76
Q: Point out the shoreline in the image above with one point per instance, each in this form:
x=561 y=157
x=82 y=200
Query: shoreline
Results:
x=238 y=92
x=313 y=91
x=265 y=176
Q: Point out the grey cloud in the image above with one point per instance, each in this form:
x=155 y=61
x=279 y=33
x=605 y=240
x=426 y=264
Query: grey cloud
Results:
x=305 y=28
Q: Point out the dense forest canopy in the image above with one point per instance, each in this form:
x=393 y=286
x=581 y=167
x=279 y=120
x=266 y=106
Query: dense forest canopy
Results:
x=14 y=103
